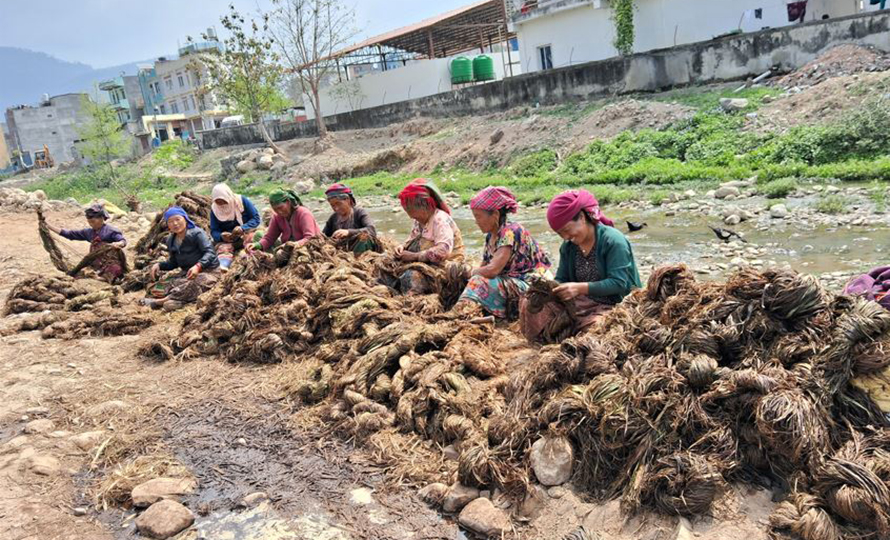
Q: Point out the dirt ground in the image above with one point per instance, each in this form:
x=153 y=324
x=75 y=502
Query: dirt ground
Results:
x=228 y=427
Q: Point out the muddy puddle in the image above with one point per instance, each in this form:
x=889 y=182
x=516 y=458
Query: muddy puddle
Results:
x=686 y=237
x=312 y=486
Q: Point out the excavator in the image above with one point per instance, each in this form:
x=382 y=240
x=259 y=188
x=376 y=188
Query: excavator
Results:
x=43 y=159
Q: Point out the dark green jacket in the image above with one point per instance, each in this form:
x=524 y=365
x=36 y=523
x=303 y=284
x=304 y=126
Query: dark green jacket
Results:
x=614 y=259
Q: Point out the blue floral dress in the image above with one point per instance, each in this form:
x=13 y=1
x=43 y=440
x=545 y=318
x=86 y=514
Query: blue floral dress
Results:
x=527 y=259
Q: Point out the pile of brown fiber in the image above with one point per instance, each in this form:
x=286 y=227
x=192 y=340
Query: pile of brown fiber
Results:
x=846 y=59
x=61 y=262
x=680 y=390
x=67 y=309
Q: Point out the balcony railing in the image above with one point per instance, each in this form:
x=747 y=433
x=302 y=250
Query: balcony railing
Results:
x=110 y=84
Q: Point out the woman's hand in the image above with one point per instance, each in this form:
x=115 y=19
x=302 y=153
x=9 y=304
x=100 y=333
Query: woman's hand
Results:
x=237 y=232
x=193 y=272
x=119 y=245
x=54 y=229
x=409 y=256
x=248 y=248
x=568 y=291
x=226 y=237
x=340 y=233
x=155 y=269
x=397 y=253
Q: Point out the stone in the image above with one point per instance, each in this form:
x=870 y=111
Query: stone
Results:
x=832 y=189
x=79 y=511
x=732 y=220
x=818 y=189
x=778 y=211
x=726 y=191
x=497 y=136
x=39 y=194
x=43 y=464
x=88 y=440
x=481 y=517
x=532 y=504
x=269 y=151
x=37 y=411
x=556 y=492
x=44 y=425
x=451 y=453
x=305 y=186
x=690 y=193
x=252 y=499
x=361 y=496
x=458 y=496
x=245 y=166
x=164 y=519
x=265 y=162
x=684 y=530
x=148 y=493
x=434 y=494
x=733 y=104
x=551 y=459
x=278 y=166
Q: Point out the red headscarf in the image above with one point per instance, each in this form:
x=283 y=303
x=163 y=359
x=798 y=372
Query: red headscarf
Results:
x=337 y=191
x=565 y=206
x=423 y=192
x=493 y=199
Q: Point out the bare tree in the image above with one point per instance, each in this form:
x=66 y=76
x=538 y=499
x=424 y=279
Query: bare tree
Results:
x=307 y=34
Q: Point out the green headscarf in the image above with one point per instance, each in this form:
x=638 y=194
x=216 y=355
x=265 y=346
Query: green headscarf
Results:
x=283 y=195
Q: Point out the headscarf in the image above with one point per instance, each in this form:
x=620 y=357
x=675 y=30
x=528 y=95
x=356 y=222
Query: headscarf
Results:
x=96 y=211
x=424 y=192
x=283 y=195
x=339 y=191
x=565 y=206
x=231 y=211
x=493 y=199
x=178 y=211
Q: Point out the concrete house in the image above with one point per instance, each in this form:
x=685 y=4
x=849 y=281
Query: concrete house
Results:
x=560 y=33
x=53 y=123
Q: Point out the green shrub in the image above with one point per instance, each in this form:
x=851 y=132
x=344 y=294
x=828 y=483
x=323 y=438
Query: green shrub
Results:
x=779 y=189
x=174 y=154
x=832 y=204
x=535 y=164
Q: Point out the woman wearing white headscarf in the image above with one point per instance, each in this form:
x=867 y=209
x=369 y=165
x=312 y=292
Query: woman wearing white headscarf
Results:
x=232 y=219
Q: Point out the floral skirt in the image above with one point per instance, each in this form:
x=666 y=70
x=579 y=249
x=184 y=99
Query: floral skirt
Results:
x=499 y=296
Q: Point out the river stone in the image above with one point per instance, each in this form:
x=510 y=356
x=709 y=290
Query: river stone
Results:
x=304 y=186
x=164 y=519
x=726 y=191
x=148 y=493
x=778 y=211
x=551 y=459
x=832 y=189
x=733 y=104
x=434 y=494
x=732 y=220
x=44 y=425
x=245 y=166
x=43 y=464
x=88 y=440
x=458 y=496
x=481 y=517
x=265 y=162
x=532 y=504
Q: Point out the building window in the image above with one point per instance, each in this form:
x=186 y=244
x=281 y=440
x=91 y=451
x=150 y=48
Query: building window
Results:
x=201 y=103
x=181 y=80
x=169 y=83
x=191 y=102
x=174 y=108
x=185 y=104
x=545 y=57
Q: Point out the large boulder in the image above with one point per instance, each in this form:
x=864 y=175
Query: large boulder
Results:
x=551 y=459
x=265 y=162
x=726 y=191
x=148 y=493
x=304 y=186
x=778 y=211
x=164 y=519
x=481 y=517
x=245 y=166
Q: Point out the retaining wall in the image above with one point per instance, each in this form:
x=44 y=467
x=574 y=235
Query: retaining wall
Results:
x=724 y=59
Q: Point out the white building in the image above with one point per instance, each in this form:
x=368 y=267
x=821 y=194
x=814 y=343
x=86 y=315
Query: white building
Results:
x=560 y=33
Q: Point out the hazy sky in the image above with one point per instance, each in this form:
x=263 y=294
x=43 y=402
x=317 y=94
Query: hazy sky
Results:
x=105 y=33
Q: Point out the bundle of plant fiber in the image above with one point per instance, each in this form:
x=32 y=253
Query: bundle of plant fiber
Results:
x=49 y=244
x=195 y=205
x=42 y=293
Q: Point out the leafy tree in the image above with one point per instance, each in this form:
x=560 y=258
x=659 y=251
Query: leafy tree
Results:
x=246 y=74
x=103 y=137
x=308 y=34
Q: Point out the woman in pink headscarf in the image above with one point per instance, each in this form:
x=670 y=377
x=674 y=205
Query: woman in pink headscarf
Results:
x=596 y=265
x=509 y=259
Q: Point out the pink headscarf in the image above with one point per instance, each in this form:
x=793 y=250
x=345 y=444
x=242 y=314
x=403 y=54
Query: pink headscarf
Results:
x=565 y=206
x=493 y=199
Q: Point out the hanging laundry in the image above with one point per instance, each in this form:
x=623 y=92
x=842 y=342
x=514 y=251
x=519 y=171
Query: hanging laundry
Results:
x=797 y=11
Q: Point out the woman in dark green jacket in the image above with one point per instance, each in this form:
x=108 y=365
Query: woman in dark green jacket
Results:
x=596 y=263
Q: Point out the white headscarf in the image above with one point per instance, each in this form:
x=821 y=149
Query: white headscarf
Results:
x=231 y=211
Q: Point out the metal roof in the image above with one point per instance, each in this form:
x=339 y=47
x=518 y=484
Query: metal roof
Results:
x=456 y=31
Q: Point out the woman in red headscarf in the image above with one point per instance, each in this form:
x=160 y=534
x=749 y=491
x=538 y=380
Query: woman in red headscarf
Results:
x=349 y=223
x=509 y=259
x=435 y=238
x=596 y=264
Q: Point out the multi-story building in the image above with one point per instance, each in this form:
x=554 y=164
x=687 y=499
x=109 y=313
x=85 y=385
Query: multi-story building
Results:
x=54 y=123
x=559 y=33
x=178 y=101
